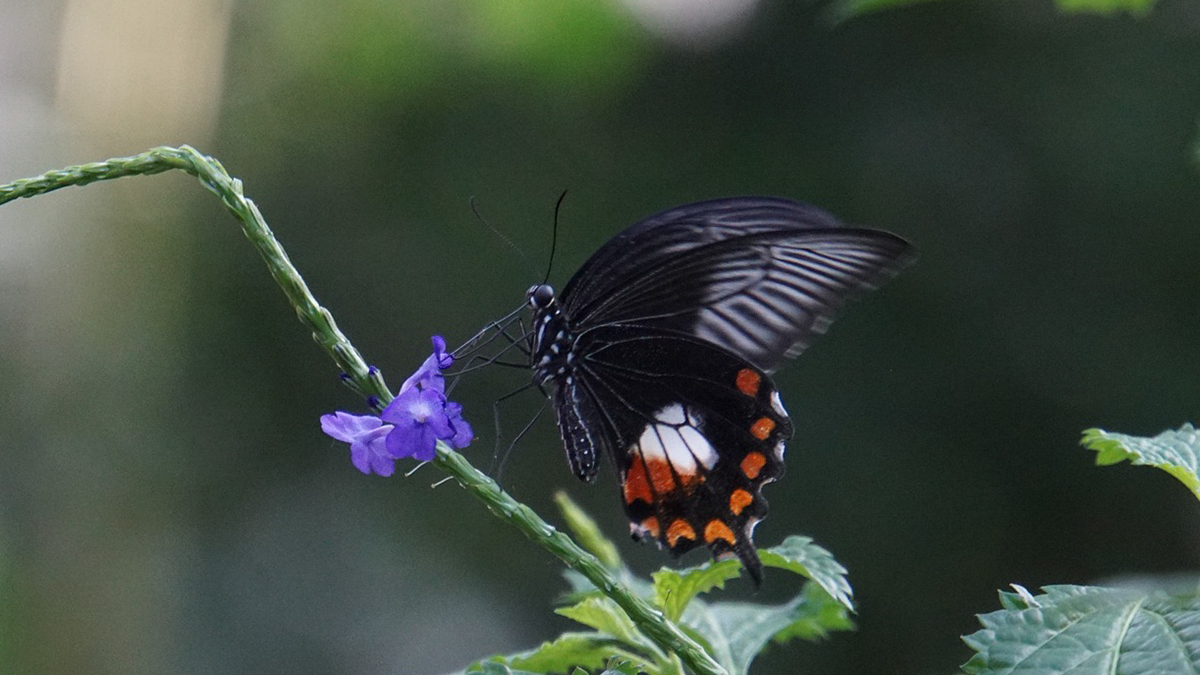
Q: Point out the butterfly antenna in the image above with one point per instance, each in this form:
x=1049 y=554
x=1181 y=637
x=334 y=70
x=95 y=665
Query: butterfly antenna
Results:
x=554 y=235
x=500 y=235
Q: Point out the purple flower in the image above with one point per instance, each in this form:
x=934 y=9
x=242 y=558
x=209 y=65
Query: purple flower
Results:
x=462 y=431
x=366 y=435
x=429 y=373
x=410 y=426
x=420 y=419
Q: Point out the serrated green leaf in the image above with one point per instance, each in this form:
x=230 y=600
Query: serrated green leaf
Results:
x=583 y=650
x=821 y=616
x=674 y=589
x=1018 y=598
x=735 y=632
x=590 y=651
x=619 y=666
x=494 y=668
x=1134 y=7
x=602 y=614
x=1085 y=630
x=587 y=533
x=581 y=588
x=1176 y=452
x=800 y=555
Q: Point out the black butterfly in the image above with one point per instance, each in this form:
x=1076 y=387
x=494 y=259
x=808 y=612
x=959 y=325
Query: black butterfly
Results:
x=659 y=352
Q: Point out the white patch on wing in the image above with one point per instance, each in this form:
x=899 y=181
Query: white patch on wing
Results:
x=777 y=405
x=672 y=414
x=676 y=438
x=701 y=448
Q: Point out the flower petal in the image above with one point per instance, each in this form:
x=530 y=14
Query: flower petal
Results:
x=411 y=439
x=444 y=360
x=365 y=434
x=369 y=453
x=429 y=375
x=463 y=434
x=346 y=427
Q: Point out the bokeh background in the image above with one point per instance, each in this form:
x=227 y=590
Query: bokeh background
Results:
x=168 y=504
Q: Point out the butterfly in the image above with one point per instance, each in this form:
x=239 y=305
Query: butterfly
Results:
x=658 y=353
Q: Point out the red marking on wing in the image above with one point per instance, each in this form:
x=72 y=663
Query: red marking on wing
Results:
x=748 y=381
x=679 y=529
x=645 y=480
x=762 y=428
x=739 y=500
x=637 y=483
x=651 y=526
x=752 y=464
x=716 y=530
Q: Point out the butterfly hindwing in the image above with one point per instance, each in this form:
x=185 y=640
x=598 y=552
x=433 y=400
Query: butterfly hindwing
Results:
x=695 y=430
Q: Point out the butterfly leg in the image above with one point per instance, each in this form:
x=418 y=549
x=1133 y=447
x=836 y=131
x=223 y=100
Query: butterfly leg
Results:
x=498 y=458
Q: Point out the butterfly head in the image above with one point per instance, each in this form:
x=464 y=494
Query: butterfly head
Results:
x=540 y=297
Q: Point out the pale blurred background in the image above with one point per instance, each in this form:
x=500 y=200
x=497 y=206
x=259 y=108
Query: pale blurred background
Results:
x=168 y=505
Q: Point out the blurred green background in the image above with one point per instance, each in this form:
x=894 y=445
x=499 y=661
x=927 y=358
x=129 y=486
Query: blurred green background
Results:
x=169 y=505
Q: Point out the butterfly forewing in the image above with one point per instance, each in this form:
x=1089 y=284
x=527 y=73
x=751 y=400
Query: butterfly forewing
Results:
x=760 y=276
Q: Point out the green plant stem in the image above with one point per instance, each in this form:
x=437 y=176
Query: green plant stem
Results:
x=366 y=380
x=358 y=375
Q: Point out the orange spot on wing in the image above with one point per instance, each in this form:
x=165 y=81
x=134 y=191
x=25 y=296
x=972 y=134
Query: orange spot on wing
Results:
x=748 y=381
x=739 y=500
x=637 y=483
x=716 y=530
x=752 y=464
x=762 y=428
x=679 y=529
x=651 y=525
x=647 y=480
x=661 y=477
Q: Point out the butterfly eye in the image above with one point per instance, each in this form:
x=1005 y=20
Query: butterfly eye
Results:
x=541 y=296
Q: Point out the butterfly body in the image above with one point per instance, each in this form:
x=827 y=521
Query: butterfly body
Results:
x=659 y=352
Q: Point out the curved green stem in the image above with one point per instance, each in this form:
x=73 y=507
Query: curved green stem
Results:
x=367 y=381
x=213 y=176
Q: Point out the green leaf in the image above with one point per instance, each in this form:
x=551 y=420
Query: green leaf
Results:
x=599 y=612
x=736 y=632
x=494 y=668
x=800 y=555
x=1134 y=7
x=822 y=615
x=1176 y=452
x=1085 y=630
x=580 y=650
x=619 y=666
x=674 y=589
x=590 y=651
x=587 y=533
x=585 y=650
